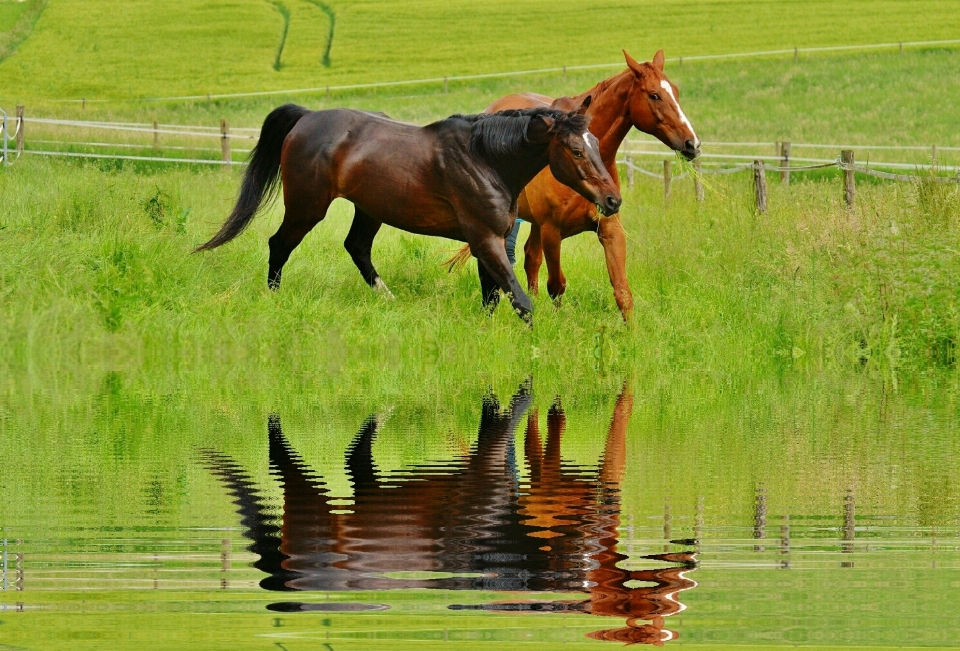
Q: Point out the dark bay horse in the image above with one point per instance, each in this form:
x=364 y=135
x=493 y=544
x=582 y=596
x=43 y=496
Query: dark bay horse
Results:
x=472 y=517
x=458 y=178
x=642 y=97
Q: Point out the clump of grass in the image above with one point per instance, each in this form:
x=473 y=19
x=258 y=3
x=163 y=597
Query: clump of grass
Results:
x=937 y=202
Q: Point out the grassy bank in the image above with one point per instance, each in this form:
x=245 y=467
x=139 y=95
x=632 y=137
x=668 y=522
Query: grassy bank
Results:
x=97 y=271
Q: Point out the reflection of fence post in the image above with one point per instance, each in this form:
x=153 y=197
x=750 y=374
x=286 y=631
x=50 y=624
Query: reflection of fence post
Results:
x=760 y=186
x=698 y=521
x=785 y=162
x=760 y=517
x=19 y=567
x=849 y=525
x=785 y=541
x=666 y=526
x=697 y=181
x=225 y=142
x=19 y=129
x=667 y=171
x=224 y=562
x=630 y=171
x=849 y=182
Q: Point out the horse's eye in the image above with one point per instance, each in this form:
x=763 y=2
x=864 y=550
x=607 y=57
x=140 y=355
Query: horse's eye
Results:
x=655 y=97
x=577 y=153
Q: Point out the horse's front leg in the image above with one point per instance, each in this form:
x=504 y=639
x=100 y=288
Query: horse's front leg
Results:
x=491 y=253
x=613 y=239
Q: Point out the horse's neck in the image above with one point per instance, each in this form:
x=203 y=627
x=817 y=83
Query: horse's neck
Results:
x=517 y=172
x=610 y=113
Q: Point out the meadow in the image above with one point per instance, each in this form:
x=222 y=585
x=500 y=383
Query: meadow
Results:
x=227 y=47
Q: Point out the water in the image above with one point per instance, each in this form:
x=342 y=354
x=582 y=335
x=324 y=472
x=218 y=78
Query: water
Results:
x=792 y=516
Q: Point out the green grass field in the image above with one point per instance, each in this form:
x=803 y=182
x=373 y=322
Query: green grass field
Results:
x=91 y=265
x=105 y=50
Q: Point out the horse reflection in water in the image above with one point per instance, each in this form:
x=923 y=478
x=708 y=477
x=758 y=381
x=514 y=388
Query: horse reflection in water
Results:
x=473 y=518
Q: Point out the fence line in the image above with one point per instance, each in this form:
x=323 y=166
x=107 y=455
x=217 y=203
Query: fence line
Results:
x=116 y=127
x=512 y=73
x=845 y=162
x=807 y=145
x=903 y=166
x=205 y=161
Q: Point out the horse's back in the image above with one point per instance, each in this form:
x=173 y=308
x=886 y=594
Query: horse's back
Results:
x=519 y=101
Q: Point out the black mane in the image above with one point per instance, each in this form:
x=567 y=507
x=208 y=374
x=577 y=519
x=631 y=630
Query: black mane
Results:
x=504 y=134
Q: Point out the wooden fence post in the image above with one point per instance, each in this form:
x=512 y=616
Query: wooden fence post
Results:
x=849 y=181
x=933 y=155
x=156 y=137
x=785 y=162
x=760 y=186
x=796 y=55
x=667 y=171
x=445 y=89
x=697 y=181
x=630 y=171
x=225 y=142
x=19 y=129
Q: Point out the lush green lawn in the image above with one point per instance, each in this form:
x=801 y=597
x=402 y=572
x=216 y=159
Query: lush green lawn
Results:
x=110 y=50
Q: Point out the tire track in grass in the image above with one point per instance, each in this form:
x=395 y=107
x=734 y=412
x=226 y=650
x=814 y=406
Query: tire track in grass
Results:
x=332 y=16
x=285 y=14
x=12 y=38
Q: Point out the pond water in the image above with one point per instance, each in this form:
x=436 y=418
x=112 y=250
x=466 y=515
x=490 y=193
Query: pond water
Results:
x=818 y=516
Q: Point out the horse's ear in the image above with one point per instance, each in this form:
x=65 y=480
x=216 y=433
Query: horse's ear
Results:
x=658 y=60
x=633 y=65
x=585 y=105
x=540 y=128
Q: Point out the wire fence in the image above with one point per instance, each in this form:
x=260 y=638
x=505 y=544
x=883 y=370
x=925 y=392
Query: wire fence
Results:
x=845 y=163
x=184 y=140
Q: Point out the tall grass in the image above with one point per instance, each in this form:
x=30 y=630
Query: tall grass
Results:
x=96 y=269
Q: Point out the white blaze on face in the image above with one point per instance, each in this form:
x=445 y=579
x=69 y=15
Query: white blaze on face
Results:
x=683 y=118
x=591 y=141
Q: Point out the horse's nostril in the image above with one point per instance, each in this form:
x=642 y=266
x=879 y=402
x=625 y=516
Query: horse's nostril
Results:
x=612 y=204
x=690 y=145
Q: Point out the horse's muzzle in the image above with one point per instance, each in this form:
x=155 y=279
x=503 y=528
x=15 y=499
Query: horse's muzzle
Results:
x=611 y=204
x=690 y=150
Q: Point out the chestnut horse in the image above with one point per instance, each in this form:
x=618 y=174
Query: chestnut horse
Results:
x=641 y=96
x=458 y=178
x=471 y=517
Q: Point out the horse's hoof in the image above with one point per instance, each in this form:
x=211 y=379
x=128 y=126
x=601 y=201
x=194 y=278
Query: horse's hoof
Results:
x=380 y=286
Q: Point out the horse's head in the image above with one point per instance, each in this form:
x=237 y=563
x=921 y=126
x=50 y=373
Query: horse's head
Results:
x=574 y=155
x=655 y=107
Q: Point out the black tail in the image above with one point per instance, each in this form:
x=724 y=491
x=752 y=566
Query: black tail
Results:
x=260 y=180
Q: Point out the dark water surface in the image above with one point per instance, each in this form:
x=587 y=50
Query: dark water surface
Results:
x=816 y=517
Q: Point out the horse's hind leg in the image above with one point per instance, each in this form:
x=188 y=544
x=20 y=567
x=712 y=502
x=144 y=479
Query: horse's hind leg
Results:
x=299 y=217
x=489 y=288
x=359 y=244
x=533 y=258
x=556 y=282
